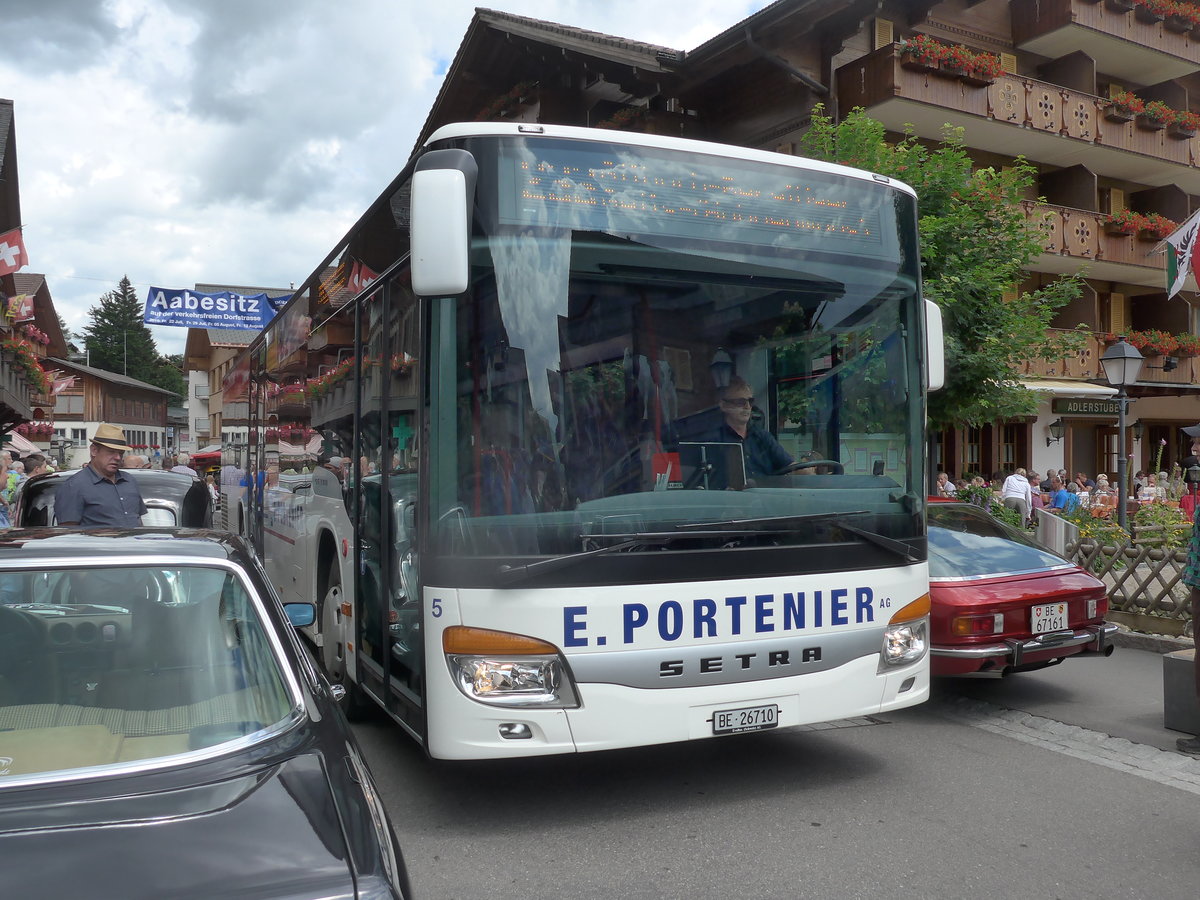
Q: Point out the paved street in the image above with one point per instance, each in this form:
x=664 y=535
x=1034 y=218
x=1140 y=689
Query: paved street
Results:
x=1051 y=784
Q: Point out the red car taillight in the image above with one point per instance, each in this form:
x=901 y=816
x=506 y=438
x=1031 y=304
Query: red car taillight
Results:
x=965 y=626
x=1097 y=609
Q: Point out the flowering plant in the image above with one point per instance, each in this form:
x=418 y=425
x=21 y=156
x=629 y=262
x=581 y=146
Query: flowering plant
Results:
x=1186 y=119
x=1127 y=102
x=1159 y=225
x=958 y=57
x=318 y=387
x=25 y=358
x=1187 y=344
x=1127 y=220
x=987 y=65
x=924 y=49
x=37 y=431
x=35 y=334
x=1152 y=342
x=1157 y=111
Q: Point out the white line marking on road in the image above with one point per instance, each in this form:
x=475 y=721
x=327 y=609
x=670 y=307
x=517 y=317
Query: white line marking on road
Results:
x=1171 y=769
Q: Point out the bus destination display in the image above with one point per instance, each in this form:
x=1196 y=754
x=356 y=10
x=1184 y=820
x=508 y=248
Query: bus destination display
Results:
x=618 y=189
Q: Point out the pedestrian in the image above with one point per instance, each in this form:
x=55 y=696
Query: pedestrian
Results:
x=183 y=465
x=100 y=493
x=1191 y=577
x=1016 y=494
x=35 y=464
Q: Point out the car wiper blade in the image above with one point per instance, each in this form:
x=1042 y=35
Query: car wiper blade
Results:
x=509 y=574
x=776 y=520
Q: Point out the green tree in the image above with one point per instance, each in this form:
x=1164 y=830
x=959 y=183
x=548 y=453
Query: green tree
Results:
x=169 y=375
x=115 y=337
x=976 y=245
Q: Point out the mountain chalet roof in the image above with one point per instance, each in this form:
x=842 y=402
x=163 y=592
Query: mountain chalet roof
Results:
x=104 y=375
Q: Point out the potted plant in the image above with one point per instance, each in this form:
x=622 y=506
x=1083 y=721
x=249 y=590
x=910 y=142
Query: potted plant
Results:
x=1123 y=106
x=1124 y=222
x=1150 y=11
x=985 y=69
x=1184 y=124
x=1122 y=6
x=921 y=53
x=1156 y=227
x=1152 y=342
x=956 y=61
x=1154 y=116
x=1187 y=345
x=1181 y=17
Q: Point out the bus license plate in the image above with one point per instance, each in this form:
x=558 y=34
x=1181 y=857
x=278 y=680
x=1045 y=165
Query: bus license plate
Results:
x=1049 y=617
x=750 y=718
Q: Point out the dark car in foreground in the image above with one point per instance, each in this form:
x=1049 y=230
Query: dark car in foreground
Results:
x=1001 y=602
x=163 y=733
x=172 y=499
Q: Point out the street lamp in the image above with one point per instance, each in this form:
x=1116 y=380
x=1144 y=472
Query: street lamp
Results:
x=1057 y=429
x=1122 y=364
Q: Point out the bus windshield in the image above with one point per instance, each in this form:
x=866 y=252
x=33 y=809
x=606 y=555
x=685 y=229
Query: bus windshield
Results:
x=674 y=352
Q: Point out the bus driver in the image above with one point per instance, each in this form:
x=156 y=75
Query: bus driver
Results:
x=761 y=451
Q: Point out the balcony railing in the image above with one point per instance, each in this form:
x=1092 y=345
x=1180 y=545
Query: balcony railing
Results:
x=1122 y=43
x=1018 y=116
x=1074 y=236
x=1085 y=366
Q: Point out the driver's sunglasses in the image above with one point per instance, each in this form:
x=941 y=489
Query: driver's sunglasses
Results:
x=738 y=401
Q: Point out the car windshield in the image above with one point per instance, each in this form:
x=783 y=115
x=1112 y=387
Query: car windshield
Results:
x=130 y=664
x=966 y=542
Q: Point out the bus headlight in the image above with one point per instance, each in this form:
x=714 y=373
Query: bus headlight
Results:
x=509 y=670
x=906 y=639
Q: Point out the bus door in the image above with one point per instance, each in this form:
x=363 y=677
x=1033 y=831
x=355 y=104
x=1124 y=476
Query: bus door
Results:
x=386 y=475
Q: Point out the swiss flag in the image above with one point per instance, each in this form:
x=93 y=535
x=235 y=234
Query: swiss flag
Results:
x=12 y=252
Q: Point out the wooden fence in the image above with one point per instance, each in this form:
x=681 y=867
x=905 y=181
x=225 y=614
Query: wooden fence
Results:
x=1145 y=590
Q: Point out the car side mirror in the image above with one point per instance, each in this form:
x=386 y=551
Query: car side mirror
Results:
x=300 y=615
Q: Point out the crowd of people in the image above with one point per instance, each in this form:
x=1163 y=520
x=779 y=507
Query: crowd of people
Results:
x=1026 y=491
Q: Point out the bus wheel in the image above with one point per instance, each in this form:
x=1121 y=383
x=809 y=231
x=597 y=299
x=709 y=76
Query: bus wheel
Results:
x=356 y=705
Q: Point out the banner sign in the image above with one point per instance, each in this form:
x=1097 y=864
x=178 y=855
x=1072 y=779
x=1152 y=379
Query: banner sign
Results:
x=192 y=309
x=20 y=308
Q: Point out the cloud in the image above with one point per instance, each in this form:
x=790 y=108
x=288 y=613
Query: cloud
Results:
x=235 y=142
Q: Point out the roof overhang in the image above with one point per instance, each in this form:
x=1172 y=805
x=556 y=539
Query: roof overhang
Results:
x=1057 y=387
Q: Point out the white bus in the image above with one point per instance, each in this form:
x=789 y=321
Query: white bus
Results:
x=499 y=439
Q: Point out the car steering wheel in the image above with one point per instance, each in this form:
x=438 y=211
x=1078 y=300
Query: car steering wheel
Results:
x=838 y=468
x=21 y=634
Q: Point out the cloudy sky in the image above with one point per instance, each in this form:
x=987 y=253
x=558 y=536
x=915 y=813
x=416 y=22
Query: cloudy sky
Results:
x=235 y=141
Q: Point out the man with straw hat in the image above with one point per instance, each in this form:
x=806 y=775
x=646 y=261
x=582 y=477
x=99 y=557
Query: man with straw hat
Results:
x=99 y=494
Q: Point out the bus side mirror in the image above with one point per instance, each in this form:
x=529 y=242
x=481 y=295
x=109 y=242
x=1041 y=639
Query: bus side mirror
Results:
x=935 y=348
x=443 y=193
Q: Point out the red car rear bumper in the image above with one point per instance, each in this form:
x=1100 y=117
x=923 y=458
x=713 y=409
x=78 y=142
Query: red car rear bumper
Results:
x=961 y=660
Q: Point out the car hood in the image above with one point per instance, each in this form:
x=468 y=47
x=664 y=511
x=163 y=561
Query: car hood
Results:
x=268 y=833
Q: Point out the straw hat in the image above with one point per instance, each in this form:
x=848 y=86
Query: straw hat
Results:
x=112 y=437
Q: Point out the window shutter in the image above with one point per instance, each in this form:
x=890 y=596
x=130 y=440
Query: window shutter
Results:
x=1118 y=313
x=1116 y=200
x=1008 y=62
x=883 y=33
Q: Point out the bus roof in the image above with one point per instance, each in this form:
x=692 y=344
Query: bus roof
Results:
x=461 y=130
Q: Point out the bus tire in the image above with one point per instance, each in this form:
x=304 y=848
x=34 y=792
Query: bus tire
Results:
x=356 y=705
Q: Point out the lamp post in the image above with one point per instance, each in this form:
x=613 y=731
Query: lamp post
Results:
x=1122 y=364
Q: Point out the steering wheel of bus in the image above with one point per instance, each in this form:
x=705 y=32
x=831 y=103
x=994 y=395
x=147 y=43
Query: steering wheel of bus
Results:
x=838 y=468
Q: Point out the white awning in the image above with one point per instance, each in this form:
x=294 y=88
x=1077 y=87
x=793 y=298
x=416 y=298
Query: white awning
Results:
x=1058 y=387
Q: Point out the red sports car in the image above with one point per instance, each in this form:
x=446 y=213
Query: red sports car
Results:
x=1001 y=602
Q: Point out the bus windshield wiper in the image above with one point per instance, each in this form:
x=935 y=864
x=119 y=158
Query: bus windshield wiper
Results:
x=881 y=540
x=778 y=521
x=508 y=574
